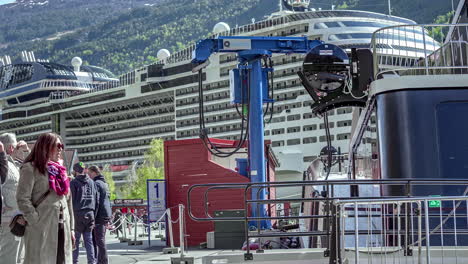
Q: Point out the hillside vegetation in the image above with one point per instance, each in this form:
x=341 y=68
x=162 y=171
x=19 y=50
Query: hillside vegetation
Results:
x=123 y=35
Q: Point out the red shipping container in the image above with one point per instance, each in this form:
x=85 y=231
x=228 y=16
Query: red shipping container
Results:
x=188 y=162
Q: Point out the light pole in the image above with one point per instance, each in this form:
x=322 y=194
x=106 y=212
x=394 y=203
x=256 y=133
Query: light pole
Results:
x=389 y=8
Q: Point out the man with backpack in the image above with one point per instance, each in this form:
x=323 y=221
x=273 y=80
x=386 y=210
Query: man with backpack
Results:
x=85 y=199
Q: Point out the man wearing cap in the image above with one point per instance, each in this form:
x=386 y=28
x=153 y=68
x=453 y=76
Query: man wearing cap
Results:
x=85 y=198
x=103 y=214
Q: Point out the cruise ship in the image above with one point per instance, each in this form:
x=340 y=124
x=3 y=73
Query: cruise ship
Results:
x=111 y=121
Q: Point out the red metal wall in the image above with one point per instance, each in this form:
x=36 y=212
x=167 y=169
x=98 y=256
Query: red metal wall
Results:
x=187 y=162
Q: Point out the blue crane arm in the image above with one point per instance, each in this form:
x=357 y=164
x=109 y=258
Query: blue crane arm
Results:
x=207 y=47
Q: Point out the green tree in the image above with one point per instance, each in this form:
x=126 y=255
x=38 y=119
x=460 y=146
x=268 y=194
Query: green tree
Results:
x=439 y=33
x=152 y=168
x=110 y=182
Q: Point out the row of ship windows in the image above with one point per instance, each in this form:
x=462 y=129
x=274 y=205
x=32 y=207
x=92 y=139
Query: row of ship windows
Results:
x=123 y=125
x=32 y=129
x=280 y=131
x=123 y=117
x=277 y=109
x=123 y=154
x=340 y=111
x=23 y=123
x=99 y=139
x=139 y=105
x=309 y=140
x=226 y=94
x=295 y=117
x=206 y=87
x=93 y=99
x=207 y=98
x=277 y=74
x=116 y=146
x=117 y=155
x=153 y=87
x=221 y=106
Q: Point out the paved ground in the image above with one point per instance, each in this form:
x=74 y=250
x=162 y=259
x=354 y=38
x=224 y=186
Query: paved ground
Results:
x=122 y=253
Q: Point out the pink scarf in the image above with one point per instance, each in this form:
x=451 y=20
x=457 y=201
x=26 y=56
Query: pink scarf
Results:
x=58 y=180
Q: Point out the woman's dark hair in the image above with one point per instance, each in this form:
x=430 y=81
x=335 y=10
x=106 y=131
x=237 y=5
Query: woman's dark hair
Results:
x=40 y=153
x=94 y=169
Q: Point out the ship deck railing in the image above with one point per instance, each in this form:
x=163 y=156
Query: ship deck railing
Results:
x=59 y=96
x=351 y=221
x=441 y=49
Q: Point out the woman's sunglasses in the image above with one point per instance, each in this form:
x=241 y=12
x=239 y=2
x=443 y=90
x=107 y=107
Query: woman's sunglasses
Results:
x=60 y=146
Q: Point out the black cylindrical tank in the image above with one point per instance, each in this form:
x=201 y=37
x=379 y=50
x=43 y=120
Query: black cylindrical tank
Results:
x=423 y=134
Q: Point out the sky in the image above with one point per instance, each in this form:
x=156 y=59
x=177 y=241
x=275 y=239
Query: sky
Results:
x=6 y=1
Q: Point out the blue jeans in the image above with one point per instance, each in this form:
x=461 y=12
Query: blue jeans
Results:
x=88 y=242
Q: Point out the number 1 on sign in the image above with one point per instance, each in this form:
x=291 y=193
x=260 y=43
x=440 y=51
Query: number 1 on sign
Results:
x=157 y=190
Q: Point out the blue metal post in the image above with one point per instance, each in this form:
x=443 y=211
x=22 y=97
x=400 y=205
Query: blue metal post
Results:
x=256 y=138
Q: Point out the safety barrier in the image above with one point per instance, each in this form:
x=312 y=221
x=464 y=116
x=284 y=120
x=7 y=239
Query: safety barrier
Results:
x=402 y=230
x=379 y=203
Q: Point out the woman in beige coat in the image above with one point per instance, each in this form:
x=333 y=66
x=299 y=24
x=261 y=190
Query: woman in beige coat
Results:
x=49 y=231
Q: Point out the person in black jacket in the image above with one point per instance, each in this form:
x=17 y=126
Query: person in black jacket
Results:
x=103 y=214
x=85 y=199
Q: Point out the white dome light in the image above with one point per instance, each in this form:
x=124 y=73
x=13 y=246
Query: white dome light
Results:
x=76 y=62
x=163 y=54
x=221 y=27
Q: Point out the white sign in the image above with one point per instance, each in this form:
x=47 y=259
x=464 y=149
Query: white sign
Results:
x=237 y=44
x=156 y=199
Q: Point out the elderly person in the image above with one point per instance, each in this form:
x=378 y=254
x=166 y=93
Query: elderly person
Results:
x=20 y=153
x=9 y=244
x=49 y=234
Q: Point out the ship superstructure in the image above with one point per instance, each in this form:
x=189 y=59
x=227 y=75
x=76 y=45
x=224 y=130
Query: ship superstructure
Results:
x=114 y=124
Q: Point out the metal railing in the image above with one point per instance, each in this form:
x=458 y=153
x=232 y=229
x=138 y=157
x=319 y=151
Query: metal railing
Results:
x=440 y=49
x=396 y=230
x=382 y=203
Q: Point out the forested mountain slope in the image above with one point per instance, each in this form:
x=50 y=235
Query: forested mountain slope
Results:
x=123 y=34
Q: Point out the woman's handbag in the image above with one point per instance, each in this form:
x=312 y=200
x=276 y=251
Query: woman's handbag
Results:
x=18 y=229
